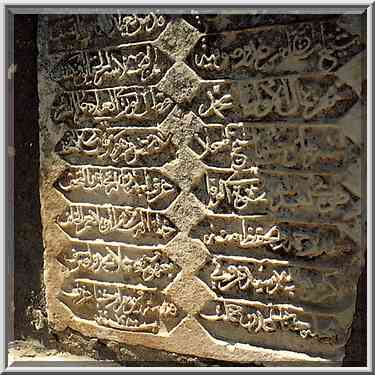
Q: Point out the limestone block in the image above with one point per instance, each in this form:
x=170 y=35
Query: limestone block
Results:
x=201 y=181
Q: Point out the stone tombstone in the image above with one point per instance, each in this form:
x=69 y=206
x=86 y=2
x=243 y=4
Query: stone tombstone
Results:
x=201 y=181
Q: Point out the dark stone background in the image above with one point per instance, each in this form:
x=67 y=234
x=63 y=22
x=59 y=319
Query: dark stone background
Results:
x=29 y=301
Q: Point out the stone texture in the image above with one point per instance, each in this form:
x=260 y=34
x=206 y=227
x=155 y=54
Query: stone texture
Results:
x=214 y=209
x=186 y=211
x=178 y=39
x=187 y=170
x=189 y=254
x=183 y=125
x=180 y=83
x=189 y=293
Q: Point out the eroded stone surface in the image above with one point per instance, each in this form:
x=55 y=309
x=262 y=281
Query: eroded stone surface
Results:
x=201 y=181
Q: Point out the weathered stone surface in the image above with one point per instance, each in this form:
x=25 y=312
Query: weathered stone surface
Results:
x=201 y=182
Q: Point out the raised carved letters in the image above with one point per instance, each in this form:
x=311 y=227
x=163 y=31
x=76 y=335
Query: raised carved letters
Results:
x=105 y=68
x=278 y=280
x=112 y=260
x=279 y=195
x=120 y=306
x=144 y=106
x=115 y=146
x=140 y=187
x=257 y=236
x=85 y=31
x=260 y=322
x=302 y=47
x=294 y=97
x=121 y=222
x=275 y=318
x=281 y=147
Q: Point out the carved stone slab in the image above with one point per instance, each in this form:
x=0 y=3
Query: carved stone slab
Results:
x=201 y=181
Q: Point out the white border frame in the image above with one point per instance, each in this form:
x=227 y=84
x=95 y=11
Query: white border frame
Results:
x=7 y=367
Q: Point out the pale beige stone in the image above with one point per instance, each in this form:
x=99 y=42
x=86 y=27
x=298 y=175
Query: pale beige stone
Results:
x=189 y=254
x=178 y=39
x=180 y=82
